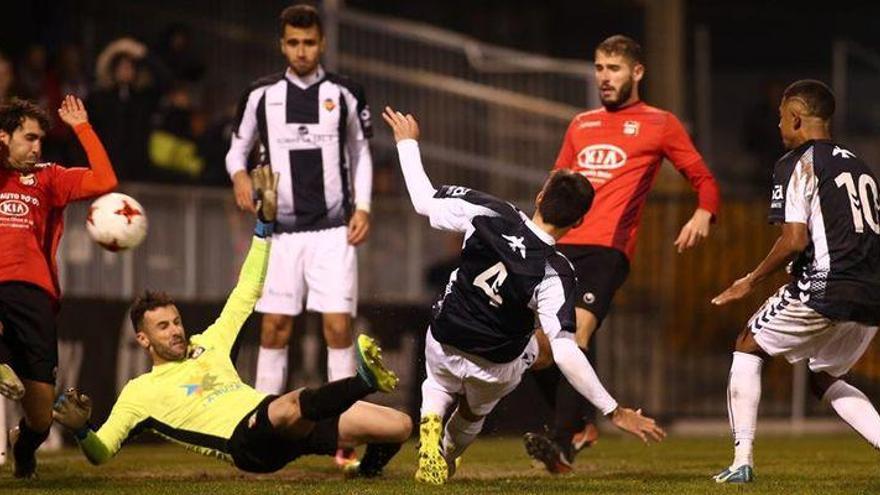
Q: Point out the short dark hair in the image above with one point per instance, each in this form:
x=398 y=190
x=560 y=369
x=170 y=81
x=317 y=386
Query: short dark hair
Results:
x=567 y=198
x=622 y=45
x=12 y=115
x=147 y=301
x=301 y=15
x=815 y=94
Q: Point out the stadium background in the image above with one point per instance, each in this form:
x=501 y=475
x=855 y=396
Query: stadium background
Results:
x=494 y=84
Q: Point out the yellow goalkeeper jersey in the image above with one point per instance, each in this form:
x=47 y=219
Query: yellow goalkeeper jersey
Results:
x=196 y=402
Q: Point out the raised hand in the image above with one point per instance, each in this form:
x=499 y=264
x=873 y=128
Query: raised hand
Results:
x=72 y=409
x=72 y=111
x=265 y=190
x=403 y=126
x=632 y=421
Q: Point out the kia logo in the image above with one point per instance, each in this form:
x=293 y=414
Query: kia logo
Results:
x=602 y=157
x=14 y=208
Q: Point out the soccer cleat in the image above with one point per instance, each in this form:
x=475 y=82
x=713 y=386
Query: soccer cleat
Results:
x=453 y=466
x=545 y=450
x=345 y=458
x=432 y=465
x=25 y=464
x=10 y=385
x=585 y=438
x=370 y=366
x=742 y=474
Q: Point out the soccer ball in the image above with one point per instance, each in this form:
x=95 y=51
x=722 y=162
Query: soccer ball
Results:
x=117 y=222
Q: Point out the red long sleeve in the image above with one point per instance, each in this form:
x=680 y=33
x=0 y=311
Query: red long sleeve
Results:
x=100 y=178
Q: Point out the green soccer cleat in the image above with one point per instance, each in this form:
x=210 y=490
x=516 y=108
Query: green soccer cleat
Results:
x=370 y=366
x=742 y=474
x=10 y=385
x=432 y=465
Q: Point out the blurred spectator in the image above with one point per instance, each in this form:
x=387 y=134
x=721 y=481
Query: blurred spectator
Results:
x=176 y=53
x=7 y=79
x=122 y=109
x=32 y=75
x=174 y=154
x=70 y=72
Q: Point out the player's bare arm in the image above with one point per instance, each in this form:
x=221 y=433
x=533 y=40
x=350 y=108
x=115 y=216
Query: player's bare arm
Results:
x=243 y=190
x=695 y=230
x=794 y=240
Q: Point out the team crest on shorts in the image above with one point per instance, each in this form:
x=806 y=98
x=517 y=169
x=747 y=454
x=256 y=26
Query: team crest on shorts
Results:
x=589 y=298
x=329 y=104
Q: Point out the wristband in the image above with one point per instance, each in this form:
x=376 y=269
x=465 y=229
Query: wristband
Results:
x=83 y=432
x=264 y=229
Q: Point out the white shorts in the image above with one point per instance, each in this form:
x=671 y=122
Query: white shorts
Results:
x=319 y=267
x=785 y=325
x=482 y=382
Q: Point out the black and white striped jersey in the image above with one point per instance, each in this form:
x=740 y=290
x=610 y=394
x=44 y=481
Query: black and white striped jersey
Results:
x=314 y=132
x=509 y=272
x=827 y=187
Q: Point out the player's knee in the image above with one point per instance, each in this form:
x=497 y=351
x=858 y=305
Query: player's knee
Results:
x=819 y=383
x=275 y=331
x=402 y=427
x=745 y=342
x=337 y=331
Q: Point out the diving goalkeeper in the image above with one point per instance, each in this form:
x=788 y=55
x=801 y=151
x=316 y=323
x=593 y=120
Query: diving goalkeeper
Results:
x=193 y=395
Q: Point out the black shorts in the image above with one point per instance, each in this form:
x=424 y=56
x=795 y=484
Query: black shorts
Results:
x=257 y=447
x=600 y=272
x=30 y=334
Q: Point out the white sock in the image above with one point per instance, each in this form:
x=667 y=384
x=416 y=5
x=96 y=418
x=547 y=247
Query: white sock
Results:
x=434 y=400
x=271 y=370
x=855 y=408
x=458 y=434
x=341 y=363
x=743 y=397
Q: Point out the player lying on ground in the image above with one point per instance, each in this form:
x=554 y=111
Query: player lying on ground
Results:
x=194 y=396
x=827 y=201
x=482 y=333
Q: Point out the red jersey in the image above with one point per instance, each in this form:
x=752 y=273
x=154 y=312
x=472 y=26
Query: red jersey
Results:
x=620 y=152
x=31 y=208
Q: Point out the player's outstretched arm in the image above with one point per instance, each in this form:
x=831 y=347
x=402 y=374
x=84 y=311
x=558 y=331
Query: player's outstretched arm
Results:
x=73 y=410
x=100 y=178
x=241 y=301
x=406 y=134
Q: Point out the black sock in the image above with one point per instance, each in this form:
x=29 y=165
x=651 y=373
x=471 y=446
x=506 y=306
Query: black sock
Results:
x=548 y=380
x=376 y=457
x=332 y=399
x=572 y=411
x=28 y=440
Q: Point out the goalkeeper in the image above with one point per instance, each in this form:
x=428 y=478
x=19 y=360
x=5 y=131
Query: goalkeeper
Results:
x=194 y=396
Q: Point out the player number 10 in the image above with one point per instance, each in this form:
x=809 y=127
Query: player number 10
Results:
x=864 y=210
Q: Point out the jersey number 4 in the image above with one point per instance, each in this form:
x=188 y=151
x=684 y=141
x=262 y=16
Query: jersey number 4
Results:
x=490 y=282
x=865 y=208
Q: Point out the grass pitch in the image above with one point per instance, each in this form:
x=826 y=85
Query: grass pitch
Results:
x=680 y=466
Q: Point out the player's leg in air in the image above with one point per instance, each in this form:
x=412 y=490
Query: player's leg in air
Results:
x=320 y=420
x=832 y=349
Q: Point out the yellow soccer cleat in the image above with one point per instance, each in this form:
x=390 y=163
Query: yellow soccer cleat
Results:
x=370 y=366
x=432 y=465
x=10 y=385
